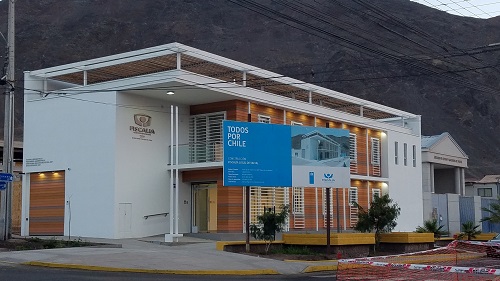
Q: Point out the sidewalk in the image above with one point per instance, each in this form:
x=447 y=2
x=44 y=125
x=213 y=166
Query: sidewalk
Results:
x=190 y=256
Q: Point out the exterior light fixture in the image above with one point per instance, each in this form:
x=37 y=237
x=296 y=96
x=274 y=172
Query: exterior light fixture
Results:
x=170 y=93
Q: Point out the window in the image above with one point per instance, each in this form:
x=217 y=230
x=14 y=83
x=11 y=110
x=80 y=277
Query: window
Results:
x=396 y=152
x=375 y=151
x=298 y=200
x=485 y=192
x=376 y=193
x=205 y=137
x=353 y=148
x=264 y=119
x=414 y=156
x=353 y=196
x=266 y=197
x=405 y=153
x=293 y=123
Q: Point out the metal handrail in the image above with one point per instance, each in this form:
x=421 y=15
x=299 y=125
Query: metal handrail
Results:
x=153 y=215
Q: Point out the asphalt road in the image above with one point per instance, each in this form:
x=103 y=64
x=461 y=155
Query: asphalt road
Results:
x=30 y=273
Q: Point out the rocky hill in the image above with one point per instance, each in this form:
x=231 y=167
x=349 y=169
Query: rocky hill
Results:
x=394 y=52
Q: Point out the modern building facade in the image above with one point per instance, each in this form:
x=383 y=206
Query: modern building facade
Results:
x=123 y=145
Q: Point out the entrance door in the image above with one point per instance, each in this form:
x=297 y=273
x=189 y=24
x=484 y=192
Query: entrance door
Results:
x=204 y=207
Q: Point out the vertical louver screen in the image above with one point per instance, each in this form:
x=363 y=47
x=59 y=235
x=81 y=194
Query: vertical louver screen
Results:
x=205 y=137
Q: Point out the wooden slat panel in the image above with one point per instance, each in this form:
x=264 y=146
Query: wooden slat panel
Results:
x=300 y=118
x=275 y=114
x=361 y=149
x=378 y=135
x=47 y=204
x=332 y=124
x=230 y=208
x=202 y=175
x=16 y=207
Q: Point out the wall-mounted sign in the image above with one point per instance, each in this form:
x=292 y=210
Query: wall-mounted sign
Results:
x=142 y=129
x=258 y=154
x=37 y=162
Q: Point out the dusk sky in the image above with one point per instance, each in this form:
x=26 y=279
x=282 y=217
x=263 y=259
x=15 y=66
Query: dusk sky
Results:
x=468 y=8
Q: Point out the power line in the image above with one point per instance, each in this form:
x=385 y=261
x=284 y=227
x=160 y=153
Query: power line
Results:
x=280 y=17
x=416 y=30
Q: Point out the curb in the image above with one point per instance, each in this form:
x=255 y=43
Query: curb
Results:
x=155 y=271
x=318 y=268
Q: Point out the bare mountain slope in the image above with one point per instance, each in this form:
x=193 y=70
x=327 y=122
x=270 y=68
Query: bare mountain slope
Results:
x=393 y=52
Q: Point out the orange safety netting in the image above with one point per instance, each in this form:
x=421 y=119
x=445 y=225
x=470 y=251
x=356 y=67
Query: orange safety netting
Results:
x=460 y=260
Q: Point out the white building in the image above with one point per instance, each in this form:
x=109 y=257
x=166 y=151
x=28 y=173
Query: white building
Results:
x=98 y=148
x=487 y=187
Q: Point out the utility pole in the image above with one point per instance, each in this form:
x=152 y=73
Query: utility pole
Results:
x=8 y=132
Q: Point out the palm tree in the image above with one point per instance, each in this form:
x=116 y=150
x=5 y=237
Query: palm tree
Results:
x=469 y=230
x=431 y=226
x=494 y=211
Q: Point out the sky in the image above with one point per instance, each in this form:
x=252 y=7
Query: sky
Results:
x=467 y=8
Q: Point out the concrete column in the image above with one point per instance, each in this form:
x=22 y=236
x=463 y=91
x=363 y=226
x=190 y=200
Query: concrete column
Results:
x=477 y=211
x=458 y=188
x=431 y=167
x=462 y=180
x=453 y=213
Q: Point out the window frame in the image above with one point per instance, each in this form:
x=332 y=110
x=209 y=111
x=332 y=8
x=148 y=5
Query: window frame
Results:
x=376 y=191
x=405 y=154
x=353 y=149
x=484 y=189
x=263 y=118
x=414 y=156
x=353 y=190
x=396 y=153
x=375 y=159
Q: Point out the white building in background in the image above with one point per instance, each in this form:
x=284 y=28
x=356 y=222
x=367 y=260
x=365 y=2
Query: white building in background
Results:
x=99 y=137
x=487 y=187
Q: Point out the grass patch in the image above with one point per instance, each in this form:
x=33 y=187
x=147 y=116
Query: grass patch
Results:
x=294 y=250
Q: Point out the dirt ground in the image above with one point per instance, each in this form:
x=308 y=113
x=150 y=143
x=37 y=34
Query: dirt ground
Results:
x=20 y=244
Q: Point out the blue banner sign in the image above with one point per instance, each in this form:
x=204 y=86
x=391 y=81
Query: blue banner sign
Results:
x=258 y=154
x=3 y=185
x=6 y=177
x=255 y=154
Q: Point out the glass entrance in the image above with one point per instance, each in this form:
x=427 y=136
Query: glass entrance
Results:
x=204 y=213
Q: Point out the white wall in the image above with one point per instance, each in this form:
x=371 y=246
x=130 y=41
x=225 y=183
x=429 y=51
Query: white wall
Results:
x=77 y=136
x=405 y=182
x=142 y=178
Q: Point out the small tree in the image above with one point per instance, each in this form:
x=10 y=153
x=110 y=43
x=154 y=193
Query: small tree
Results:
x=494 y=211
x=431 y=226
x=269 y=223
x=380 y=217
x=469 y=230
